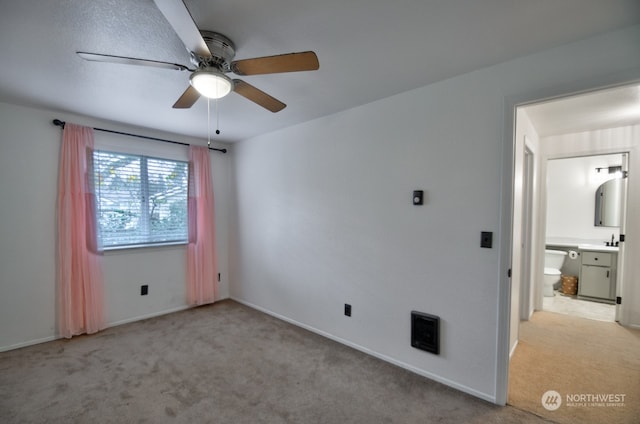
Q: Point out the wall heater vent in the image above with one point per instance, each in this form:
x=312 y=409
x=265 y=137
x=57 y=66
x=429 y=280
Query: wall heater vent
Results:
x=425 y=332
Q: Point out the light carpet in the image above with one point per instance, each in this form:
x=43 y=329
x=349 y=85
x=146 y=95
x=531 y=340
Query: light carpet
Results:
x=577 y=358
x=223 y=363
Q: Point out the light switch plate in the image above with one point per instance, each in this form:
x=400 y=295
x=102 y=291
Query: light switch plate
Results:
x=486 y=239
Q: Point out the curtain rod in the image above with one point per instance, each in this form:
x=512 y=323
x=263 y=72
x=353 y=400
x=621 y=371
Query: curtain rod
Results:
x=61 y=124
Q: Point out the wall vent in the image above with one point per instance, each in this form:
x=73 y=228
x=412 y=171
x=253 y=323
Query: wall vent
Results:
x=425 y=332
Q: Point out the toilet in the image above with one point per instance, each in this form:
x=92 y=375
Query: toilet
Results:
x=553 y=261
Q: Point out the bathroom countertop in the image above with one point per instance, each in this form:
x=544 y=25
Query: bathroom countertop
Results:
x=571 y=242
x=593 y=245
x=598 y=248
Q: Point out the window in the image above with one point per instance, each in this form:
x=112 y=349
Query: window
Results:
x=140 y=200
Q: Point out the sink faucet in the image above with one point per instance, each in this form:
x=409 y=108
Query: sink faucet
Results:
x=611 y=243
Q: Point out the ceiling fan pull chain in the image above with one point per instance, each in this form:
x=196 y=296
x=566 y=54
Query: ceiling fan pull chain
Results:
x=217 y=118
x=208 y=123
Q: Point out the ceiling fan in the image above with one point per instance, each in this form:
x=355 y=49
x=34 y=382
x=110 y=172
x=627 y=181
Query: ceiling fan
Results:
x=212 y=55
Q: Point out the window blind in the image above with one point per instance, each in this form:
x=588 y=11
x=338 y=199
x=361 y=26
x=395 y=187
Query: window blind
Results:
x=140 y=200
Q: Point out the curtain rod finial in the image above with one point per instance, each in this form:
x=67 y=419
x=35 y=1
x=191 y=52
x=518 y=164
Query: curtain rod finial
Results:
x=58 y=123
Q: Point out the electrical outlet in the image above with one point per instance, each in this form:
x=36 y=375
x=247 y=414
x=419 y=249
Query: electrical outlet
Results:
x=144 y=290
x=347 y=309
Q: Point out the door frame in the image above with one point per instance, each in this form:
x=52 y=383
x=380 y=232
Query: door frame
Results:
x=623 y=226
x=527 y=234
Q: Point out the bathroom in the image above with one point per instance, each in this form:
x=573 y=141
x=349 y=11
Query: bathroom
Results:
x=581 y=275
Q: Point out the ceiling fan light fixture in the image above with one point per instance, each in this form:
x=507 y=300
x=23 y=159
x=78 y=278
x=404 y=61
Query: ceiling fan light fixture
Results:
x=211 y=83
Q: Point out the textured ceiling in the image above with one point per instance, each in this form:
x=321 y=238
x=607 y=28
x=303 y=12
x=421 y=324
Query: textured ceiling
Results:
x=368 y=49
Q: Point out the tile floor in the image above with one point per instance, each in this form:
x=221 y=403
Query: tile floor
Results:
x=571 y=305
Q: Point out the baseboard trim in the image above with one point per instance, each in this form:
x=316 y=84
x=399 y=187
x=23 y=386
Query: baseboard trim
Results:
x=108 y=325
x=147 y=316
x=513 y=349
x=423 y=373
x=28 y=343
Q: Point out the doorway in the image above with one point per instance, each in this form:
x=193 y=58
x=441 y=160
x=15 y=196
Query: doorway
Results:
x=550 y=136
x=576 y=232
x=531 y=197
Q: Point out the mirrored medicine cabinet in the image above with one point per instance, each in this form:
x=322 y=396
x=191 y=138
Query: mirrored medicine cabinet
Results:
x=609 y=203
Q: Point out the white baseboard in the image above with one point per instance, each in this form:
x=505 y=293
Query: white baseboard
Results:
x=147 y=316
x=28 y=343
x=108 y=325
x=155 y=314
x=435 y=377
x=513 y=349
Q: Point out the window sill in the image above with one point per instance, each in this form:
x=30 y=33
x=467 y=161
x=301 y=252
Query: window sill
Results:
x=119 y=249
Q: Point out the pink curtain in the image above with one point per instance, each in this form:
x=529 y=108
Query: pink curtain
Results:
x=201 y=253
x=80 y=291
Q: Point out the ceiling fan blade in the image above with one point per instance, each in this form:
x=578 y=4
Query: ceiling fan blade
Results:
x=187 y=99
x=257 y=96
x=291 y=62
x=180 y=19
x=95 y=57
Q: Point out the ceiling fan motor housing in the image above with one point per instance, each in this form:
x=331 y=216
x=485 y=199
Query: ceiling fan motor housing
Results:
x=222 y=52
x=212 y=55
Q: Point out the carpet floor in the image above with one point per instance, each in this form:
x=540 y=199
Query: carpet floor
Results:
x=223 y=363
x=577 y=358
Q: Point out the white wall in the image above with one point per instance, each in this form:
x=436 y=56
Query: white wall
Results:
x=571 y=187
x=324 y=216
x=29 y=152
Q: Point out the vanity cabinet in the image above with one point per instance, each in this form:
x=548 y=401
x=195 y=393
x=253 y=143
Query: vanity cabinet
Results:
x=598 y=276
